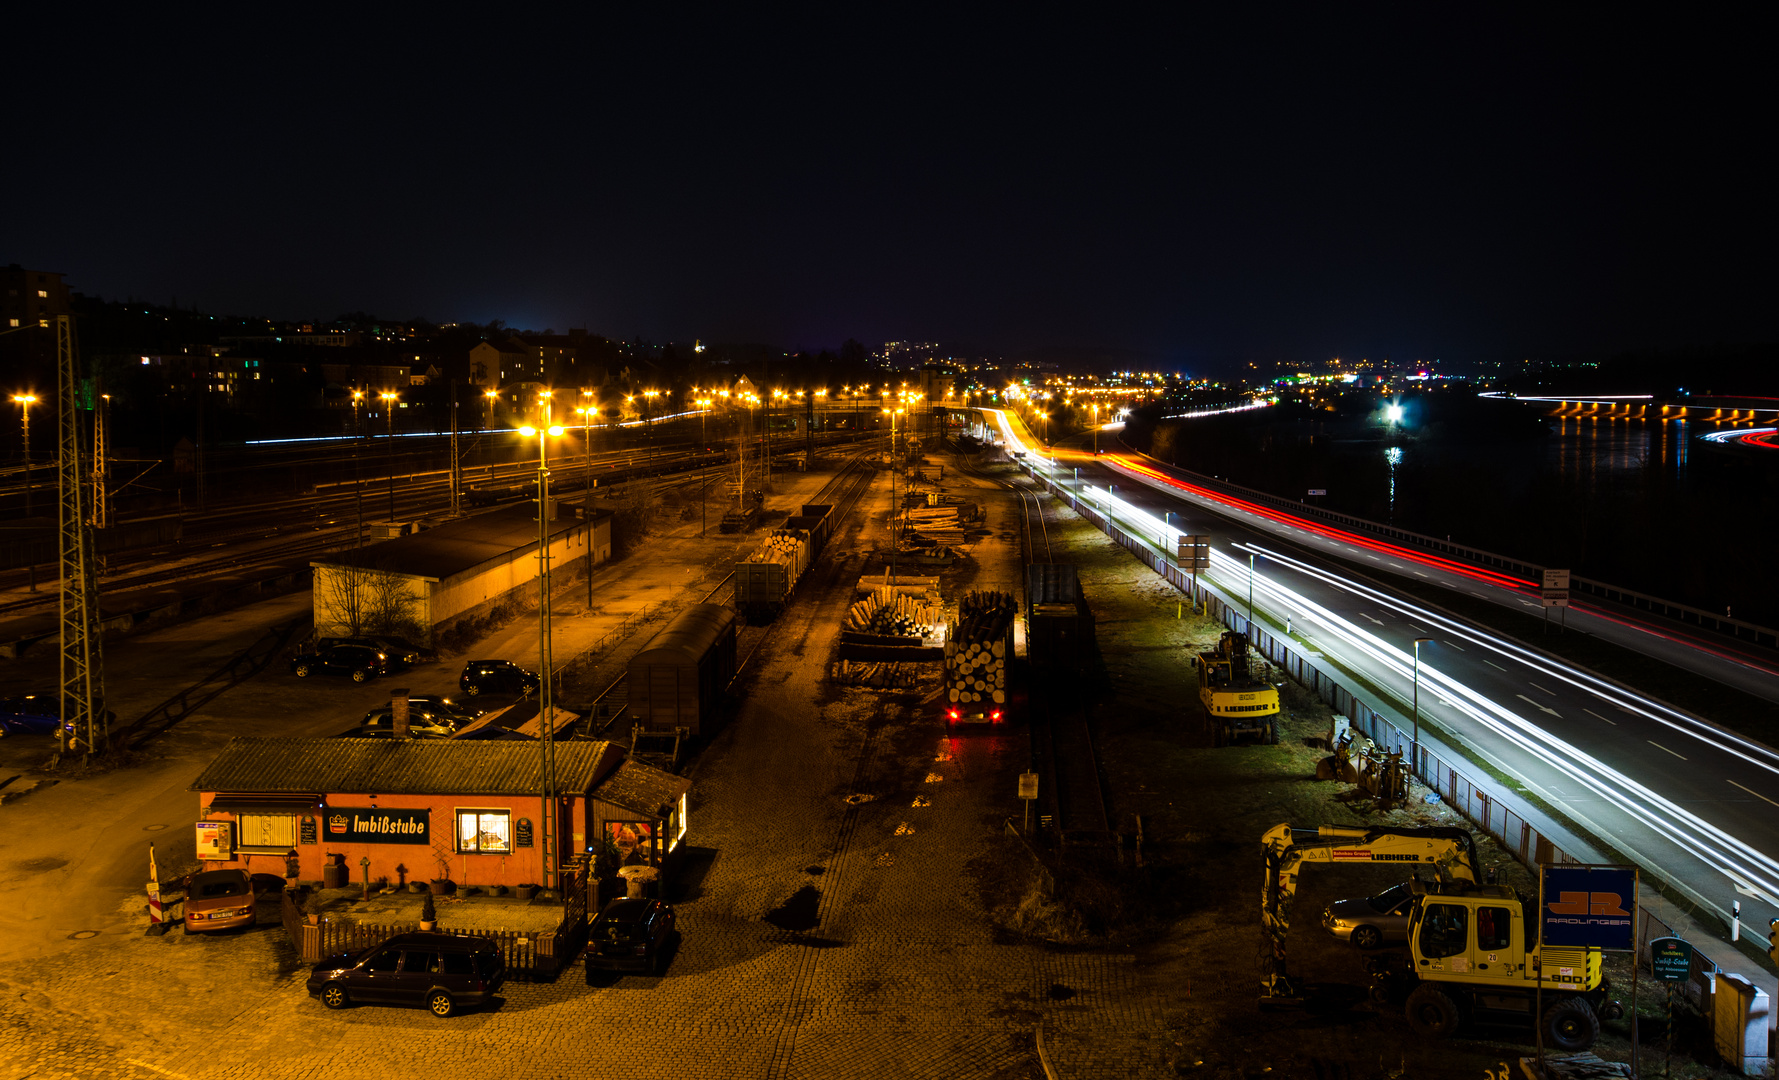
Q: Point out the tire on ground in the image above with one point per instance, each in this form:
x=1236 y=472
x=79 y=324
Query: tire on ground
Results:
x=1571 y=1026
x=1431 y=1012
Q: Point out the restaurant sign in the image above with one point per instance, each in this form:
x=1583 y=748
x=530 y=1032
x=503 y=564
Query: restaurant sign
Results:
x=376 y=825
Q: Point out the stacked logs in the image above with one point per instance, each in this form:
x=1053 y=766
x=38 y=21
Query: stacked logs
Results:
x=979 y=648
x=888 y=613
x=938 y=524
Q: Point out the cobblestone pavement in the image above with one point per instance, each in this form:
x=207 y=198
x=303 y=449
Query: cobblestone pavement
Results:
x=821 y=937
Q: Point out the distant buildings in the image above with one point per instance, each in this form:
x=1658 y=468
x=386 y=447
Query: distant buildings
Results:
x=31 y=297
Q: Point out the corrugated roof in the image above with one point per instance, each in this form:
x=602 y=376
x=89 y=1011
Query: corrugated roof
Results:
x=456 y=547
x=642 y=788
x=392 y=767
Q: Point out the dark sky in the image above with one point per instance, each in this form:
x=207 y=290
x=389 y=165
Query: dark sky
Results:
x=1307 y=182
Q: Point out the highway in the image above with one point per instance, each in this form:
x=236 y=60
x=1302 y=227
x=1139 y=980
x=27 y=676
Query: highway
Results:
x=1683 y=797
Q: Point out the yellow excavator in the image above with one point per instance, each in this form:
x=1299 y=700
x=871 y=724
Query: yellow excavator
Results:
x=1235 y=703
x=1473 y=952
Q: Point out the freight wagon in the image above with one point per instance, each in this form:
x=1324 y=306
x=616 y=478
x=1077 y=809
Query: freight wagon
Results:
x=1056 y=621
x=765 y=580
x=817 y=519
x=678 y=679
x=979 y=659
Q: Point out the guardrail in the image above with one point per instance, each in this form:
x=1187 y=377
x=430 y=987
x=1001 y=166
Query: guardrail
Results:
x=1751 y=633
x=1493 y=815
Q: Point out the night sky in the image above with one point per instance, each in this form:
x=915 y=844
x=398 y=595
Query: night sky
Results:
x=1349 y=180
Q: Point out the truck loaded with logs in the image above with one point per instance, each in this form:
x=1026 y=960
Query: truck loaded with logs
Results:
x=978 y=659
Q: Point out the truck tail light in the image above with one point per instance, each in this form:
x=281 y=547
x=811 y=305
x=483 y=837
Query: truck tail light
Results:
x=953 y=714
x=995 y=716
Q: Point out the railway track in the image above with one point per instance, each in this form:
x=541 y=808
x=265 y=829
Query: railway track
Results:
x=843 y=493
x=1063 y=746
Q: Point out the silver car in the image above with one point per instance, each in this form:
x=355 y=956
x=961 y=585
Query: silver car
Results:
x=1371 y=921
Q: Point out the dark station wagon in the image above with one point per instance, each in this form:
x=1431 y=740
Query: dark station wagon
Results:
x=631 y=934
x=443 y=972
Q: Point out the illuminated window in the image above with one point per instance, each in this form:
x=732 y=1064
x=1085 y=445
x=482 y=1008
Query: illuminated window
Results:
x=43 y=293
x=274 y=831
x=485 y=832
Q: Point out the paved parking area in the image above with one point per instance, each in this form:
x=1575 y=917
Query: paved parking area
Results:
x=821 y=936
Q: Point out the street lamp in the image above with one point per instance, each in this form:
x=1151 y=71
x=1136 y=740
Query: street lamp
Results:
x=389 y=397
x=1096 y=429
x=648 y=420
x=546 y=722
x=25 y=401
x=357 y=469
x=1415 y=751
x=704 y=470
x=586 y=412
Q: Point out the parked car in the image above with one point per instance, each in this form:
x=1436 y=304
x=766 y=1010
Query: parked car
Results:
x=400 y=650
x=430 y=720
x=495 y=677
x=444 y=972
x=30 y=714
x=218 y=900
x=361 y=662
x=1371 y=921
x=631 y=934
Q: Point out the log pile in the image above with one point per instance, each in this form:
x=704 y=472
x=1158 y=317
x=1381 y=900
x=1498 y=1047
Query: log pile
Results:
x=877 y=676
x=889 y=614
x=938 y=524
x=979 y=648
x=781 y=543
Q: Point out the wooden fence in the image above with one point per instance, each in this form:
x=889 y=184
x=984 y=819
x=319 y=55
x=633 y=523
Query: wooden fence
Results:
x=534 y=956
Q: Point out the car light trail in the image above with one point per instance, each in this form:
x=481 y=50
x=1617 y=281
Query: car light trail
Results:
x=1750 y=868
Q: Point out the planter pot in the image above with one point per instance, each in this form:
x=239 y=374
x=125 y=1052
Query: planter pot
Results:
x=416 y=886
x=497 y=890
x=428 y=924
x=525 y=892
x=442 y=886
x=313 y=919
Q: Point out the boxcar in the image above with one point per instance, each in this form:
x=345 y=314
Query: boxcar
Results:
x=678 y=679
x=1056 y=618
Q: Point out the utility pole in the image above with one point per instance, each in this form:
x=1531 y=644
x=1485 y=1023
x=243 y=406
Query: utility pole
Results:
x=25 y=401
x=456 y=461
x=84 y=727
x=101 y=429
x=389 y=411
x=357 y=470
x=546 y=722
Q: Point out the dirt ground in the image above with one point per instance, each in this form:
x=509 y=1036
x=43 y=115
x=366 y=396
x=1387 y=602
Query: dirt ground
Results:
x=1191 y=913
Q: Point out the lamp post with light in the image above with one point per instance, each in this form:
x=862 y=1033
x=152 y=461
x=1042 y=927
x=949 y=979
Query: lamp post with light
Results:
x=357 y=466
x=546 y=676
x=704 y=470
x=24 y=402
x=389 y=397
x=1414 y=758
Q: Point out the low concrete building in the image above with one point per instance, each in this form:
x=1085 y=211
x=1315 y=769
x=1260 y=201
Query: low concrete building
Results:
x=469 y=812
x=423 y=585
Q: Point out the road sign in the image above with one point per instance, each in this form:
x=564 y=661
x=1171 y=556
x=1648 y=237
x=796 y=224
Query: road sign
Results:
x=1195 y=554
x=1590 y=905
x=1556 y=588
x=1318 y=491
x=1028 y=785
x=1671 y=958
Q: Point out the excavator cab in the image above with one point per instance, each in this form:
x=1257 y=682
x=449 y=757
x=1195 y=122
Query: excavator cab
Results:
x=1234 y=703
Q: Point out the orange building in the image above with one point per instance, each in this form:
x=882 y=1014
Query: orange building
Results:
x=429 y=809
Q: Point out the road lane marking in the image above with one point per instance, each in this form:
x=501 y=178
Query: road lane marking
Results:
x=1455 y=645
x=1756 y=794
x=1659 y=746
x=1535 y=686
x=1473 y=592
x=1373 y=618
x=1494 y=665
x=1419 y=574
x=1597 y=716
x=1542 y=708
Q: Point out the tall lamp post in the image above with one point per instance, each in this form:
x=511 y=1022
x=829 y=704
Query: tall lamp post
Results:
x=649 y=397
x=704 y=470
x=25 y=401
x=1414 y=758
x=357 y=468
x=388 y=397
x=586 y=410
x=1096 y=429
x=546 y=676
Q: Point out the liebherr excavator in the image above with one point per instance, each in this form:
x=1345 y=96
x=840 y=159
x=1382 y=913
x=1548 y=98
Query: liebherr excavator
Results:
x=1473 y=952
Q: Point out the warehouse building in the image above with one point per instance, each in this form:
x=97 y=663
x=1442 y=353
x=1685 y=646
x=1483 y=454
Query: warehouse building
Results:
x=421 y=586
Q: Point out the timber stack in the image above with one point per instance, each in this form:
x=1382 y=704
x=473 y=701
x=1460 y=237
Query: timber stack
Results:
x=888 y=613
x=979 y=649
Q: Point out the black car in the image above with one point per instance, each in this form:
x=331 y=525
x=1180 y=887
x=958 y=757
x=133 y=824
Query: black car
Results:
x=631 y=934
x=400 y=650
x=495 y=677
x=362 y=662
x=444 y=972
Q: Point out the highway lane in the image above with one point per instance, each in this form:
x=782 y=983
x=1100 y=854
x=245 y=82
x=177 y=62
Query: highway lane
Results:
x=1672 y=790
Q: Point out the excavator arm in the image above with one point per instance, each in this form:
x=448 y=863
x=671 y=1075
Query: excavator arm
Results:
x=1451 y=852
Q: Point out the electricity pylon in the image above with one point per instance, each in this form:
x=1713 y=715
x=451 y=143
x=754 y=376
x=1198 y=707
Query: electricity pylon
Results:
x=84 y=729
